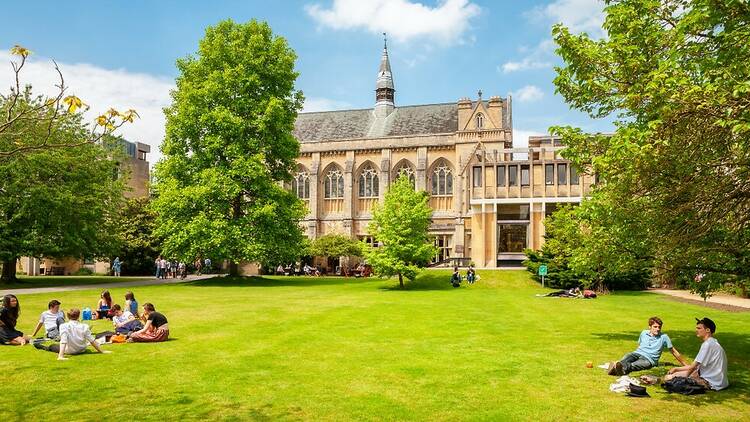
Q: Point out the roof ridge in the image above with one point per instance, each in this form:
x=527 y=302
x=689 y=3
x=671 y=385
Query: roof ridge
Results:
x=369 y=109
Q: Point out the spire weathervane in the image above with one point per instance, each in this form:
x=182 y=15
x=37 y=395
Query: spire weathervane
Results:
x=480 y=94
x=385 y=41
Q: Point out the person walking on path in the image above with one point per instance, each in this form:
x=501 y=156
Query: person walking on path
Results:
x=116 y=266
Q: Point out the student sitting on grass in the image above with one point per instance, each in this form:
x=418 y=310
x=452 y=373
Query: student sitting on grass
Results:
x=456 y=277
x=51 y=319
x=74 y=338
x=650 y=345
x=104 y=307
x=710 y=366
x=156 y=328
x=131 y=304
x=124 y=321
x=8 y=319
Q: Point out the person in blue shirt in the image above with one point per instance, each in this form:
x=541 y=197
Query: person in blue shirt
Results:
x=650 y=345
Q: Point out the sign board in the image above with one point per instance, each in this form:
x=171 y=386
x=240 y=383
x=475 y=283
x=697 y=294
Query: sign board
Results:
x=542 y=269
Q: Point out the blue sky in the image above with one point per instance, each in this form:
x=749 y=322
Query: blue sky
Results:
x=123 y=53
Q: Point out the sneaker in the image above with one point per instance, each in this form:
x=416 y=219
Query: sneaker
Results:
x=618 y=369
x=612 y=368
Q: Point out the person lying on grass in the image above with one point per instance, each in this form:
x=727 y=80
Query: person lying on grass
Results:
x=124 y=321
x=74 y=338
x=710 y=366
x=9 y=312
x=51 y=320
x=156 y=328
x=650 y=345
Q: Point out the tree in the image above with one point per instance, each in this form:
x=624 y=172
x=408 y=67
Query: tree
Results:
x=335 y=245
x=55 y=202
x=140 y=247
x=50 y=113
x=674 y=76
x=583 y=247
x=228 y=149
x=400 y=225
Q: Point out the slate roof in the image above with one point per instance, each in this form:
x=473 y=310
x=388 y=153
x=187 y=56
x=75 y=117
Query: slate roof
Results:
x=359 y=124
x=362 y=124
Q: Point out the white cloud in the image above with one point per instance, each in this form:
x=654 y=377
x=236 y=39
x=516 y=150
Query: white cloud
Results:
x=101 y=89
x=578 y=15
x=537 y=58
x=528 y=93
x=403 y=20
x=324 y=104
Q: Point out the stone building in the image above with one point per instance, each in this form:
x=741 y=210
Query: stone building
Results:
x=489 y=199
x=137 y=168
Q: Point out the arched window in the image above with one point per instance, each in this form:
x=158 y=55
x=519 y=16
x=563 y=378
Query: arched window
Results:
x=301 y=185
x=334 y=184
x=442 y=180
x=406 y=170
x=480 y=120
x=369 y=186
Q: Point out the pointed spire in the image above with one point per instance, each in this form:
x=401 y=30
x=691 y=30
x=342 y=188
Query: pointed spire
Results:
x=385 y=77
x=384 y=89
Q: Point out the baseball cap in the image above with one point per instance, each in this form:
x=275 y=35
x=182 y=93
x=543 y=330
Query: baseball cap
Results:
x=708 y=323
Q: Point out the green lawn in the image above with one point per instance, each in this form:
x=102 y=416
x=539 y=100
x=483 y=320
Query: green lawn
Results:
x=66 y=280
x=347 y=349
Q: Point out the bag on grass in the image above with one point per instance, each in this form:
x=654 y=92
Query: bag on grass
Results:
x=684 y=385
x=86 y=313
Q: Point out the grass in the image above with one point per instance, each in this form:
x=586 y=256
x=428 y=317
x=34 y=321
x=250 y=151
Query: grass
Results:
x=343 y=349
x=66 y=280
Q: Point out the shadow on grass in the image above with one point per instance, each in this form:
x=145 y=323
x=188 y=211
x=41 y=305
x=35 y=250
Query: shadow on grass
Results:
x=425 y=281
x=260 y=281
x=736 y=346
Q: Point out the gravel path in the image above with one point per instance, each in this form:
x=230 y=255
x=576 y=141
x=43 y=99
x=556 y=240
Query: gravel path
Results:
x=719 y=301
x=153 y=282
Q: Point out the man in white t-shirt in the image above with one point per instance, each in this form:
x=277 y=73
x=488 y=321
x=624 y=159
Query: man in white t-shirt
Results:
x=74 y=338
x=710 y=365
x=51 y=319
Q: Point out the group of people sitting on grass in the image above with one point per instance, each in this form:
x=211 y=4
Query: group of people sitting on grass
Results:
x=709 y=369
x=471 y=276
x=72 y=336
x=361 y=270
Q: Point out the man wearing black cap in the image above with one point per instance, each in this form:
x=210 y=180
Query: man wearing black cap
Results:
x=710 y=366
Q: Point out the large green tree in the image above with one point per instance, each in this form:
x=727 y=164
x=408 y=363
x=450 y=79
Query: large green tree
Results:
x=673 y=75
x=400 y=226
x=229 y=147
x=55 y=202
x=140 y=247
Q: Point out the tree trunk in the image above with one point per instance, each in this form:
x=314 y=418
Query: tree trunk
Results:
x=400 y=280
x=234 y=269
x=9 y=271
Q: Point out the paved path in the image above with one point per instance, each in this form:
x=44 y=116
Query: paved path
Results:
x=153 y=282
x=716 y=299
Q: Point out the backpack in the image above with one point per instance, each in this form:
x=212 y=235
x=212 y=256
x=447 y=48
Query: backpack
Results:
x=684 y=385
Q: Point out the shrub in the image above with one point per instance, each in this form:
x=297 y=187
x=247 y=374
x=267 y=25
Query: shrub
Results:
x=83 y=271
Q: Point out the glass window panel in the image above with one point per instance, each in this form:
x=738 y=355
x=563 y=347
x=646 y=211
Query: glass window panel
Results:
x=524 y=175
x=511 y=238
x=477 y=176
x=513 y=175
x=562 y=174
x=500 y=175
x=549 y=174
